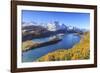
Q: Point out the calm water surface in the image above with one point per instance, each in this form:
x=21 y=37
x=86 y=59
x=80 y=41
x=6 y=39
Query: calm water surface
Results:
x=68 y=41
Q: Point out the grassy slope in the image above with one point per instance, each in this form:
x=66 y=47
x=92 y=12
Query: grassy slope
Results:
x=27 y=44
x=78 y=52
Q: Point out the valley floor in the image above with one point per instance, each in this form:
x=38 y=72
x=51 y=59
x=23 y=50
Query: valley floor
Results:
x=79 y=51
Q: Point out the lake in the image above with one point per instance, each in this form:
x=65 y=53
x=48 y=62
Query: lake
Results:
x=68 y=41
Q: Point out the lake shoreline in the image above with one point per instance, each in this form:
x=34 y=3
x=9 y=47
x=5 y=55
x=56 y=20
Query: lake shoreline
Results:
x=38 y=45
x=35 y=53
x=77 y=52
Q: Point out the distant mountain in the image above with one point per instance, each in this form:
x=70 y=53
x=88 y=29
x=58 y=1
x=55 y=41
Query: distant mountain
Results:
x=43 y=25
x=29 y=24
x=51 y=27
x=56 y=26
x=32 y=26
x=63 y=26
x=34 y=30
x=69 y=28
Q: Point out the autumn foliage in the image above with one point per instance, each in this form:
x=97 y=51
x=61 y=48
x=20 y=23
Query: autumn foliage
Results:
x=79 y=51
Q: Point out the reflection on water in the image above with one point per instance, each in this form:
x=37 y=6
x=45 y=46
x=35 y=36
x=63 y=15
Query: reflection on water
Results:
x=67 y=41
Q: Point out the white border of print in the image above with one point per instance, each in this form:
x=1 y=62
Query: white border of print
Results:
x=55 y=63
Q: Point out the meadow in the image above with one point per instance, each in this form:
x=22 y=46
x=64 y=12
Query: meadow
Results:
x=79 y=51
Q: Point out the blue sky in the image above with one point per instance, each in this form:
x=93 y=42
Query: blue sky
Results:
x=80 y=20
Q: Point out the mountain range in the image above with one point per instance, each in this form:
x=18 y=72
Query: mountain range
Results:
x=52 y=26
x=34 y=30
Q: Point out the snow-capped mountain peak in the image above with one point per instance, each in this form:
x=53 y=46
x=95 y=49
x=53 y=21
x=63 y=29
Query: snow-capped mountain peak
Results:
x=51 y=27
x=29 y=24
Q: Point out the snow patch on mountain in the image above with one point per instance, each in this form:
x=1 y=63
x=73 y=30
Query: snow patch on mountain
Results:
x=51 y=27
x=29 y=24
